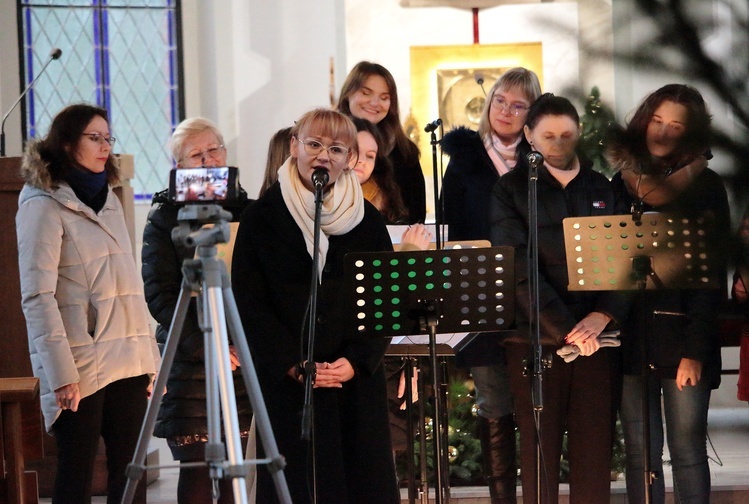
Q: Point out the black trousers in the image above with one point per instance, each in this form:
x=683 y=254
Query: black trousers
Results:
x=577 y=399
x=114 y=413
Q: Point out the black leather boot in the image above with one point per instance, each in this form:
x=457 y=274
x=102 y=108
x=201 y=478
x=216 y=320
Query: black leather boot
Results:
x=497 y=436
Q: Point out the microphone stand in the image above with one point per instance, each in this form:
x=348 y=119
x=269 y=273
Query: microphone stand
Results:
x=309 y=362
x=535 y=160
x=56 y=53
x=431 y=128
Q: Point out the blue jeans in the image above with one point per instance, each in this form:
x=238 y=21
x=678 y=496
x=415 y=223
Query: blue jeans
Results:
x=686 y=433
x=493 y=396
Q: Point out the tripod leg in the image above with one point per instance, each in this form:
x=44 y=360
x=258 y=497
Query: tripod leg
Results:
x=247 y=366
x=136 y=467
x=215 y=453
x=215 y=318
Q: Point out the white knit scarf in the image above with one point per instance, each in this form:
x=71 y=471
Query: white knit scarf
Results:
x=342 y=207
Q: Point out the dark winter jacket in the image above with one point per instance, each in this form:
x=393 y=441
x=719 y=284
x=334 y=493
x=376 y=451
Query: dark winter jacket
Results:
x=467 y=186
x=410 y=180
x=695 y=335
x=183 y=408
x=466 y=192
x=271 y=273
x=588 y=194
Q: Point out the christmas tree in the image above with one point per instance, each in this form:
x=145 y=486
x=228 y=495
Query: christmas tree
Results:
x=596 y=125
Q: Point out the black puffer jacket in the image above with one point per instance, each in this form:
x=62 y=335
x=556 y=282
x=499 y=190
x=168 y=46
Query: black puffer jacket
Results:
x=468 y=182
x=183 y=408
x=588 y=194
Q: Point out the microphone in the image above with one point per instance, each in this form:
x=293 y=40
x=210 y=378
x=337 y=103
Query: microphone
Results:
x=320 y=177
x=433 y=125
x=55 y=54
x=479 y=78
x=535 y=159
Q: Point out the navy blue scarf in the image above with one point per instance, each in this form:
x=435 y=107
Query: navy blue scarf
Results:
x=91 y=188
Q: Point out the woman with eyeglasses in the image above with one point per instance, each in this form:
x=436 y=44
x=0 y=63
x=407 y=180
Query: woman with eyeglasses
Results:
x=578 y=396
x=349 y=458
x=87 y=323
x=369 y=92
x=477 y=160
x=182 y=420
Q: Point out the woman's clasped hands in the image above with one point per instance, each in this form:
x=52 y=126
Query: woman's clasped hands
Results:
x=327 y=374
x=585 y=333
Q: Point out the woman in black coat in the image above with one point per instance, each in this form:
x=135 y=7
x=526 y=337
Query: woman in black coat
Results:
x=349 y=458
x=477 y=160
x=577 y=396
x=182 y=418
x=662 y=157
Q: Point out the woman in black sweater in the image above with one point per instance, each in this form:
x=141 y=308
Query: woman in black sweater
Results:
x=577 y=396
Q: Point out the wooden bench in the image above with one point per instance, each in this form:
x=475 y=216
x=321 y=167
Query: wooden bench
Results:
x=19 y=411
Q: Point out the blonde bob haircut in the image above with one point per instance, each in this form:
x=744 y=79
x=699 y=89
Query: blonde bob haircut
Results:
x=516 y=79
x=327 y=123
x=190 y=127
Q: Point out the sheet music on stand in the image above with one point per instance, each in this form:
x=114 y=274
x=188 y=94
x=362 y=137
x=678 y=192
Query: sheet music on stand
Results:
x=396 y=232
x=417 y=345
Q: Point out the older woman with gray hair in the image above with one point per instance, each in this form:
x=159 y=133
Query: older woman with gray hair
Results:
x=182 y=419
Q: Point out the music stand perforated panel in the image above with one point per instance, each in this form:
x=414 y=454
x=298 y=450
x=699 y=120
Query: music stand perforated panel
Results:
x=609 y=253
x=473 y=288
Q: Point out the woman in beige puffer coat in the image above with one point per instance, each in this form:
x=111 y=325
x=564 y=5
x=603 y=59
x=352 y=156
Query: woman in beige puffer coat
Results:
x=86 y=317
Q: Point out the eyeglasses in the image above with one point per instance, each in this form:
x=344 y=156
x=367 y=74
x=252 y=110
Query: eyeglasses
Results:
x=100 y=139
x=515 y=108
x=213 y=153
x=314 y=148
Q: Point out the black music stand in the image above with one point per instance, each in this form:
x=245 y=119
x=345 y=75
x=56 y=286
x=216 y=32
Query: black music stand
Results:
x=405 y=293
x=411 y=349
x=654 y=251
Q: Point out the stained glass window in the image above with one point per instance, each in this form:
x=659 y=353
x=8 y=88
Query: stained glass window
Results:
x=119 y=54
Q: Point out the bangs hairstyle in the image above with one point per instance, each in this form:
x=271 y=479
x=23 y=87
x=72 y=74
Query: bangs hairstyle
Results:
x=188 y=128
x=515 y=79
x=550 y=105
x=697 y=130
x=327 y=123
x=390 y=126
x=63 y=139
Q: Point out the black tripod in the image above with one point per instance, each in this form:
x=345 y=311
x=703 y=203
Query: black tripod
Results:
x=207 y=277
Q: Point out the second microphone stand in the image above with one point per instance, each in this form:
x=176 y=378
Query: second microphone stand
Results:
x=536 y=364
x=431 y=128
